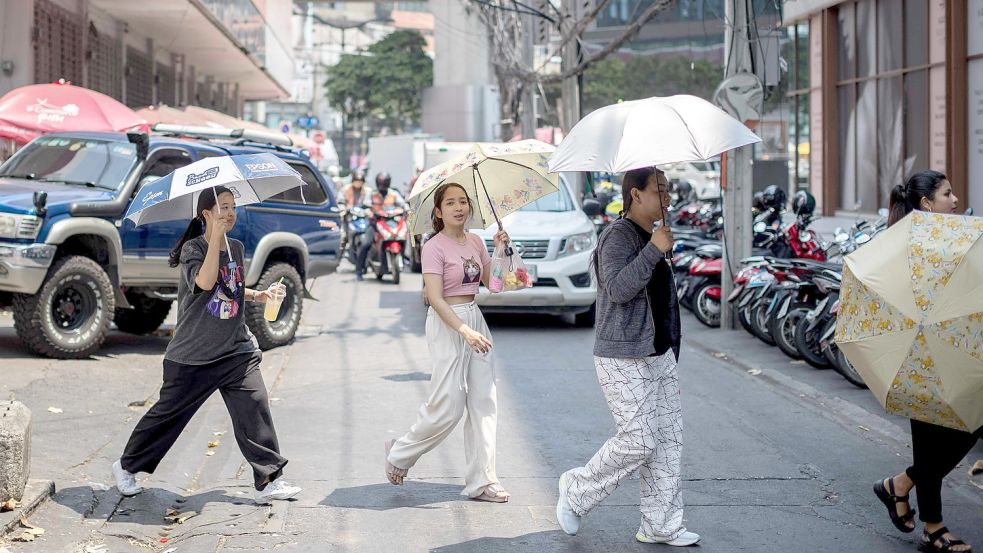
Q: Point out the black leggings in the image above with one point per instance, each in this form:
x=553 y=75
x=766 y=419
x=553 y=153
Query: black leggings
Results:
x=185 y=389
x=935 y=451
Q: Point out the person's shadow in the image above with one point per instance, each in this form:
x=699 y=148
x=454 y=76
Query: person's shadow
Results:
x=552 y=540
x=385 y=496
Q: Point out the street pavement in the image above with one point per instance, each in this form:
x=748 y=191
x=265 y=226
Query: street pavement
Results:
x=776 y=460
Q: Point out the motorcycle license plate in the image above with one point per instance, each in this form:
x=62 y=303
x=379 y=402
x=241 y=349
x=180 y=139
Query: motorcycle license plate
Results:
x=735 y=293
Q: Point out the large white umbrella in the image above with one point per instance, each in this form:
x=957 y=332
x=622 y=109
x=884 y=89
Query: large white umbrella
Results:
x=654 y=131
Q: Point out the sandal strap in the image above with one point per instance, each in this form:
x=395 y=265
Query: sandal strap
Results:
x=938 y=534
x=890 y=490
x=910 y=515
x=495 y=489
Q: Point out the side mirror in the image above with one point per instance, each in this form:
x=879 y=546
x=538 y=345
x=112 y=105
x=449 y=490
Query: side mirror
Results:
x=592 y=208
x=883 y=212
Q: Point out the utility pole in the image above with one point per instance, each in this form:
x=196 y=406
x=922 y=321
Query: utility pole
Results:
x=528 y=116
x=570 y=88
x=737 y=196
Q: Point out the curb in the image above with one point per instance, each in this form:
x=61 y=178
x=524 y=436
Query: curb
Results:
x=832 y=408
x=36 y=494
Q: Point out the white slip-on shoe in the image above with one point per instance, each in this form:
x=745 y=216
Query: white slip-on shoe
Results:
x=682 y=540
x=126 y=482
x=278 y=489
x=569 y=520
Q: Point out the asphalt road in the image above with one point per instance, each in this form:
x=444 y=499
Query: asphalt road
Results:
x=780 y=460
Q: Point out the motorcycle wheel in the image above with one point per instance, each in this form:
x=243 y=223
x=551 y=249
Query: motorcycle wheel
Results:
x=783 y=330
x=706 y=309
x=807 y=343
x=394 y=266
x=744 y=316
x=845 y=368
x=759 y=321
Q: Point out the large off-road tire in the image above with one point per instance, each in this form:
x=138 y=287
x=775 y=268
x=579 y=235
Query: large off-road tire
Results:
x=271 y=334
x=146 y=316
x=69 y=316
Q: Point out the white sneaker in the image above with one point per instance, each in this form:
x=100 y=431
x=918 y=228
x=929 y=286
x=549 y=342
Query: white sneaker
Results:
x=126 y=482
x=278 y=489
x=683 y=540
x=569 y=520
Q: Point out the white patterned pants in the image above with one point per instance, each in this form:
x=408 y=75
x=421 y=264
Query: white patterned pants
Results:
x=643 y=395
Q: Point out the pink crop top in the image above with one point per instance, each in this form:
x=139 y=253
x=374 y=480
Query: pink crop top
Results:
x=460 y=266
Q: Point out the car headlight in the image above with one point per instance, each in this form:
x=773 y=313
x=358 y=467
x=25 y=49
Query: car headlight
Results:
x=8 y=226
x=578 y=243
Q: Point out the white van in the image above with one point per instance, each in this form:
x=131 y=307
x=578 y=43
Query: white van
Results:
x=555 y=239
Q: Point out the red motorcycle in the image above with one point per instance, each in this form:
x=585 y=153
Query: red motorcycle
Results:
x=391 y=234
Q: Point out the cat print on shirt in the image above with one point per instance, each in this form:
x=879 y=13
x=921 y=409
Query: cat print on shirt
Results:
x=225 y=302
x=472 y=271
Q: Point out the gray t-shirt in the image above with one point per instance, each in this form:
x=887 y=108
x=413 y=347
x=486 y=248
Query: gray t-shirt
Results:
x=210 y=323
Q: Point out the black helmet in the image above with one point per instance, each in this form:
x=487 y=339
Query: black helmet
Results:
x=774 y=197
x=758 y=202
x=383 y=180
x=358 y=174
x=803 y=203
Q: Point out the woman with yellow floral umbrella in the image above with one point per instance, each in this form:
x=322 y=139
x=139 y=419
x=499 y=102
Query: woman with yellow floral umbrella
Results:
x=911 y=350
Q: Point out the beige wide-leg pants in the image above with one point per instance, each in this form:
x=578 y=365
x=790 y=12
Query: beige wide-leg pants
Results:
x=462 y=381
x=643 y=395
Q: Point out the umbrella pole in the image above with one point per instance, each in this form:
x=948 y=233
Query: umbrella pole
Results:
x=218 y=213
x=491 y=204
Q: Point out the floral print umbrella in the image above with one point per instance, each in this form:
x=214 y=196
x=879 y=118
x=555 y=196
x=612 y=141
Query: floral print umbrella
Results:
x=499 y=178
x=911 y=318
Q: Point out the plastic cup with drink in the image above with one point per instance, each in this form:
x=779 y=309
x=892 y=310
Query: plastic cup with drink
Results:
x=277 y=293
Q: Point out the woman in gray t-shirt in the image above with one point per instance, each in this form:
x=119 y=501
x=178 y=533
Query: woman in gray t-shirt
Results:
x=212 y=349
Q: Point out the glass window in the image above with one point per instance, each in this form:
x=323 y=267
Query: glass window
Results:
x=846 y=104
x=916 y=121
x=890 y=45
x=866 y=141
x=312 y=193
x=847 y=44
x=802 y=56
x=555 y=202
x=802 y=145
x=866 y=39
x=890 y=143
x=915 y=32
x=80 y=161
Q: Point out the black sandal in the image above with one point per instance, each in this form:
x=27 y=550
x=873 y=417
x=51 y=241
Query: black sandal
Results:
x=890 y=500
x=928 y=542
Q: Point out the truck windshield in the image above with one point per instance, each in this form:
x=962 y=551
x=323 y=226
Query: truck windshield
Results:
x=78 y=161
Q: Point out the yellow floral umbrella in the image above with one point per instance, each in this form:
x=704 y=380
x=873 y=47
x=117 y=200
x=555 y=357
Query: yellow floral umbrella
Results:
x=499 y=178
x=911 y=318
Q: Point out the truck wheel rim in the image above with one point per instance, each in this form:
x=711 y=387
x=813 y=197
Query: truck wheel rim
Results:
x=71 y=307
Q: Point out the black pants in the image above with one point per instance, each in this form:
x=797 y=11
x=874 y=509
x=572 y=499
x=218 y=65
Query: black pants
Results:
x=936 y=450
x=185 y=389
x=362 y=251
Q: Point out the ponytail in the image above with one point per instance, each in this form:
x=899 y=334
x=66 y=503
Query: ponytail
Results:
x=207 y=199
x=908 y=197
x=194 y=230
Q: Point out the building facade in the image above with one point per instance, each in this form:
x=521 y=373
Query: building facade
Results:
x=211 y=53
x=880 y=89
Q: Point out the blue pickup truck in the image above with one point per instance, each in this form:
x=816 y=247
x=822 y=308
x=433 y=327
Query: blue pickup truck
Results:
x=70 y=264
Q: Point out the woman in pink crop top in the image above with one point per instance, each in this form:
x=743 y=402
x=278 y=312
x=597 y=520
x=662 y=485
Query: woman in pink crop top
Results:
x=455 y=262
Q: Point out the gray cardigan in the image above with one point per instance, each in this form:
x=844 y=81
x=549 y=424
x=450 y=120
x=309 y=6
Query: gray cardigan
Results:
x=624 y=327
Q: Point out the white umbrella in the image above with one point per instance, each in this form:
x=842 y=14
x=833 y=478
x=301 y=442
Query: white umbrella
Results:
x=654 y=131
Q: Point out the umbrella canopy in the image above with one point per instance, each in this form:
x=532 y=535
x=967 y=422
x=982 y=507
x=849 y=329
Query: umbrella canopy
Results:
x=252 y=178
x=30 y=111
x=209 y=116
x=911 y=318
x=654 y=131
x=499 y=178
x=170 y=116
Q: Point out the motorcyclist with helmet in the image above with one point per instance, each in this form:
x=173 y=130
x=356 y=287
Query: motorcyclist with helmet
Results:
x=384 y=197
x=355 y=195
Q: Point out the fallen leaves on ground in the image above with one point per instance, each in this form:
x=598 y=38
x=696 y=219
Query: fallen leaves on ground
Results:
x=174 y=515
x=213 y=443
x=9 y=505
x=55 y=410
x=27 y=531
x=754 y=372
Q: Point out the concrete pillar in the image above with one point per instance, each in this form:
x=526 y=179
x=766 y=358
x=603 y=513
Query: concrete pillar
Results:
x=15 y=449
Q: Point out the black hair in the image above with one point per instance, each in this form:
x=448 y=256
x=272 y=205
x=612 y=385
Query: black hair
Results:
x=908 y=197
x=632 y=180
x=206 y=200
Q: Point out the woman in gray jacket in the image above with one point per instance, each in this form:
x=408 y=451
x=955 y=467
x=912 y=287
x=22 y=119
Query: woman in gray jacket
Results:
x=635 y=353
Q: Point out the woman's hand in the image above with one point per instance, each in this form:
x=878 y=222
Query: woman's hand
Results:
x=263 y=296
x=218 y=224
x=475 y=339
x=501 y=237
x=662 y=239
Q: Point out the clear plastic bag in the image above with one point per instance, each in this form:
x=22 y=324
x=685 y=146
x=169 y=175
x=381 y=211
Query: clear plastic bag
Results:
x=508 y=272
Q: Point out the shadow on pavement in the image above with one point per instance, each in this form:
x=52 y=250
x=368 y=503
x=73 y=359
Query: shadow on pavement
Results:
x=147 y=508
x=527 y=320
x=117 y=343
x=383 y=497
x=538 y=541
